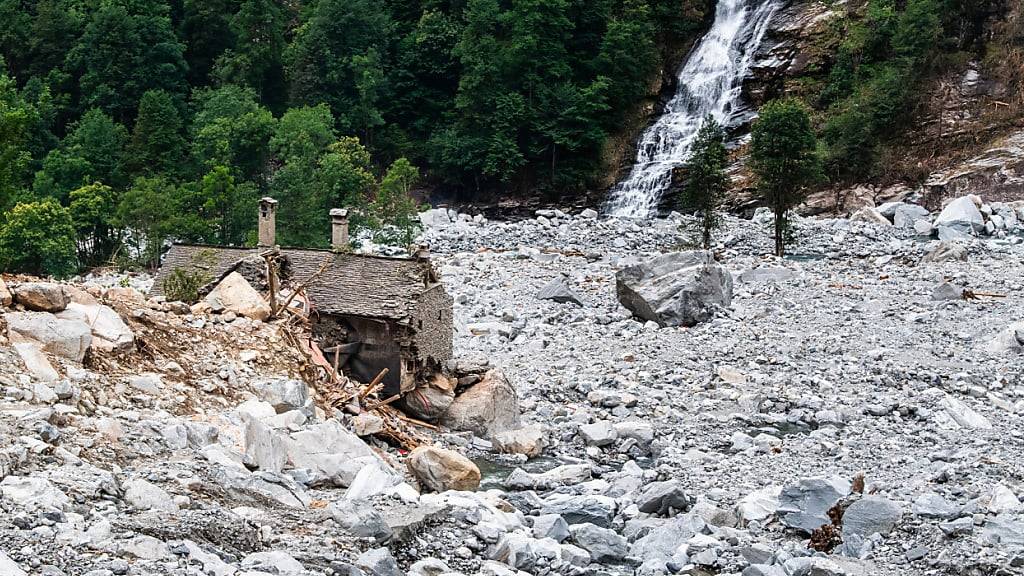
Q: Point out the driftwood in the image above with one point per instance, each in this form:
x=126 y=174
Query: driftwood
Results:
x=969 y=294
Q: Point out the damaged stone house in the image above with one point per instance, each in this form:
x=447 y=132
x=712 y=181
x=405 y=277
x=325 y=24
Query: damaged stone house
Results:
x=379 y=312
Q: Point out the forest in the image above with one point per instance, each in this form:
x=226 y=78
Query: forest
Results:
x=127 y=124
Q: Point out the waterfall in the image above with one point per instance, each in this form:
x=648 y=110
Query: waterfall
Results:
x=710 y=82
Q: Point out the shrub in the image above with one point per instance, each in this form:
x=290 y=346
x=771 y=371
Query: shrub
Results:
x=183 y=285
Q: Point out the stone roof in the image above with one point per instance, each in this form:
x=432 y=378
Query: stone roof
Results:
x=352 y=284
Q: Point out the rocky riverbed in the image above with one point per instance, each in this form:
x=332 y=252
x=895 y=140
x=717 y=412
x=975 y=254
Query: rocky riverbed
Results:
x=872 y=383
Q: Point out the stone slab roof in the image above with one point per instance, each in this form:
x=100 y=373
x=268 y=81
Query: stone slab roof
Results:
x=352 y=284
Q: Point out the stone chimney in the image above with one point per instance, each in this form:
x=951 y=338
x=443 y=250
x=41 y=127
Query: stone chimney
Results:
x=268 y=226
x=339 y=230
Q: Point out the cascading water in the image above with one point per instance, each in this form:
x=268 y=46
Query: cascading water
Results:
x=710 y=82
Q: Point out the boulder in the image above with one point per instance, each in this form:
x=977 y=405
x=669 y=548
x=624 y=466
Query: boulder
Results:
x=235 y=294
x=359 y=518
x=65 y=338
x=529 y=441
x=1009 y=341
x=109 y=332
x=367 y=424
x=870 y=515
x=550 y=526
x=264 y=447
x=675 y=289
x=600 y=433
x=435 y=218
x=565 y=475
x=947 y=291
x=41 y=296
x=907 y=215
x=438 y=469
x=932 y=505
x=6 y=298
x=430 y=399
x=9 y=567
x=273 y=562
x=923 y=227
x=487 y=408
x=33 y=492
x=378 y=562
x=559 y=291
x=602 y=544
x=660 y=497
x=143 y=495
x=284 y=394
x=332 y=451
x=945 y=251
x=962 y=215
x=597 y=510
x=871 y=215
x=805 y=505
x=36 y=362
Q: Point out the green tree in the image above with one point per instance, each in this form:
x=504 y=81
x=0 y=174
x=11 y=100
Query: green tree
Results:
x=147 y=213
x=706 y=180
x=92 y=152
x=394 y=208
x=92 y=213
x=38 y=238
x=228 y=206
x=784 y=160
x=206 y=31
x=127 y=48
x=256 y=60
x=336 y=58
x=158 y=144
x=303 y=133
x=232 y=129
x=17 y=118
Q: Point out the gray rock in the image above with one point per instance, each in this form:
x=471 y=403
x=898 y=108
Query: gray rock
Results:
x=550 y=526
x=9 y=567
x=661 y=497
x=602 y=544
x=923 y=227
x=958 y=527
x=274 y=562
x=438 y=469
x=65 y=338
x=947 y=291
x=486 y=408
x=33 y=492
x=529 y=441
x=831 y=566
x=265 y=448
x=870 y=515
x=559 y=291
x=361 y=519
x=42 y=296
x=1009 y=341
x=524 y=553
x=870 y=215
x=428 y=567
x=283 y=394
x=766 y=274
x=675 y=289
x=945 y=251
x=932 y=505
x=962 y=215
x=906 y=215
x=143 y=495
x=597 y=510
x=805 y=505
x=600 y=433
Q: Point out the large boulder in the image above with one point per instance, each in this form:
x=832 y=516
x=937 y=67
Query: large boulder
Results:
x=487 y=408
x=805 y=505
x=961 y=215
x=65 y=338
x=283 y=394
x=906 y=215
x=110 y=333
x=41 y=296
x=438 y=469
x=235 y=294
x=945 y=251
x=675 y=289
x=430 y=399
x=1008 y=341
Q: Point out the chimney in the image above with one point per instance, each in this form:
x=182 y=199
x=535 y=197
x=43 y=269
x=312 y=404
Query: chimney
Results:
x=267 y=228
x=339 y=230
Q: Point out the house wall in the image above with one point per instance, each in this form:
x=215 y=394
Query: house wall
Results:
x=433 y=323
x=380 y=348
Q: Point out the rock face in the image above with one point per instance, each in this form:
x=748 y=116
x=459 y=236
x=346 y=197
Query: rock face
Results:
x=489 y=407
x=961 y=215
x=66 y=338
x=438 y=469
x=675 y=289
x=41 y=296
x=234 y=294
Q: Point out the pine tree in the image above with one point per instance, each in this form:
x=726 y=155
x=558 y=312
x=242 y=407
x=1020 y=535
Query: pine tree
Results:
x=706 y=180
x=782 y=154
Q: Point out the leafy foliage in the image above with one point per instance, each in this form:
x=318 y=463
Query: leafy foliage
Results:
x=38 y=238
x=783 y=156
x=706 y=180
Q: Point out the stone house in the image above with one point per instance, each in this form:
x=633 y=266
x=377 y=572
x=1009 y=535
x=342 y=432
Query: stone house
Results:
x=382 y=312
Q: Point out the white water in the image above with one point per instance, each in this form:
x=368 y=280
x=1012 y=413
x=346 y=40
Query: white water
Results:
x=710 y=82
